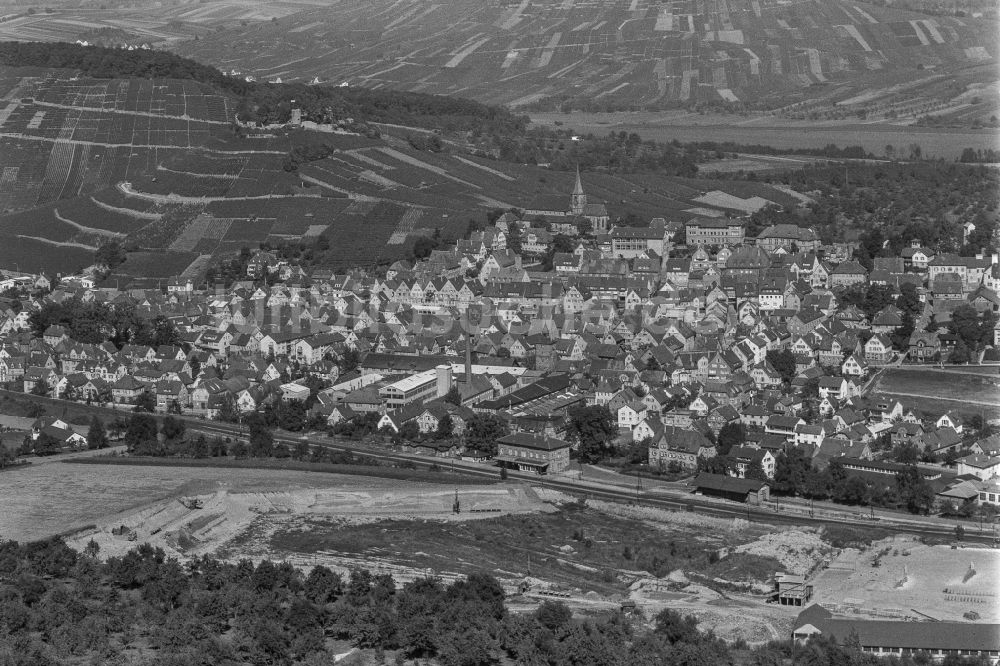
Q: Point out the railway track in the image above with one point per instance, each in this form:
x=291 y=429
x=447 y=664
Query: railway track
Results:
x=678 y=501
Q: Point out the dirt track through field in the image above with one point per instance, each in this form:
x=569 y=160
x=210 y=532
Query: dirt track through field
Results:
x=148 y=114
x=216 y=151
x=127 y=189
x=85 y=229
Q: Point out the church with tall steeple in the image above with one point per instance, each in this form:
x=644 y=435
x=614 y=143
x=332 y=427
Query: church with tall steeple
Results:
x=551 y=206
x=578 y=202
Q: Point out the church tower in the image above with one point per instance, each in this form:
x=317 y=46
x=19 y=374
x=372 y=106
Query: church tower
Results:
x=579 y=199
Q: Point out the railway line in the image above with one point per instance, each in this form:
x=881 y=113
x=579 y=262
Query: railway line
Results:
x=679 y=501
x=664 y=499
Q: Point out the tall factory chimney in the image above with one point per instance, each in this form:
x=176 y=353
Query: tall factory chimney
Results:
x=468 y=358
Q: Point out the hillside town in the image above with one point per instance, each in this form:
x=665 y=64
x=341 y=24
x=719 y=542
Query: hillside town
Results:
x=552 y=337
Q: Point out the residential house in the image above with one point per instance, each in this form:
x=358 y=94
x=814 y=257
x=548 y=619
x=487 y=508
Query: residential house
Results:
x=533 y=453
x=683 y=447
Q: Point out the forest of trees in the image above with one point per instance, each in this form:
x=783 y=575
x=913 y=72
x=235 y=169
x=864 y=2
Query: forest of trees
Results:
x=58 y=607
x=95 y=323
x=892 y=204
x=830 y=150
x=563 y=150
x=266 y=102
x=794 y=474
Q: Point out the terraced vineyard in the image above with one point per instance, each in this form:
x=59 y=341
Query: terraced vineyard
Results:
x=156 y=164
x=64 y=138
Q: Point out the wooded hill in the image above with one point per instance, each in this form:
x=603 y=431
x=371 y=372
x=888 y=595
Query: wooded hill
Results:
x=268 y=103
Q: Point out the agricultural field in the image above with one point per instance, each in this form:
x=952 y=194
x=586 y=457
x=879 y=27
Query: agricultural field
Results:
x=767 y=130
x=933 y=391
x=157 y=264
x=833 y=59
x=134 y=23
x=814 y=60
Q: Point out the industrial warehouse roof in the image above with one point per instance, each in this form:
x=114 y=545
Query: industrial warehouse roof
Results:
x=726 y=483
x=911 y=635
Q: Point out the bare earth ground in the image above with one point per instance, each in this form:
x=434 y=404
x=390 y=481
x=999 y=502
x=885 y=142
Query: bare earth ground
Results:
x=541 y=543
x=228 y=519
x=518 y=533
x=913 y=577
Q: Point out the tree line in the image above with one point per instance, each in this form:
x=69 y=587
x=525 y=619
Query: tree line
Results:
x=893 y=203
x=263 y=102
x=796 y=475
x=61 y=607
x=95 y=323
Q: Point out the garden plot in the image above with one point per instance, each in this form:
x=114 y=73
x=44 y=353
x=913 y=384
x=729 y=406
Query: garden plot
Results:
x=465 y=52
x=197 y=268
x=977 y=53
x=853 y=32
x=250 y=231
x=489 y=170
x=9 y=177
x=868 y=17
x=156 y=264
x=405 y=227
x=415 y=162
x=202 y=227
x=57 y=172
x=291 y=227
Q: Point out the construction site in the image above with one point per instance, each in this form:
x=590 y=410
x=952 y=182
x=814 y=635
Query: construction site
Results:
x=901 y=578
x=744 y=580
x=217 y=522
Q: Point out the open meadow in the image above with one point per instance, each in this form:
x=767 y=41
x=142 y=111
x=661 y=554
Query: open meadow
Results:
x=776 y=132
x=52 y=496
x=934 y=391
